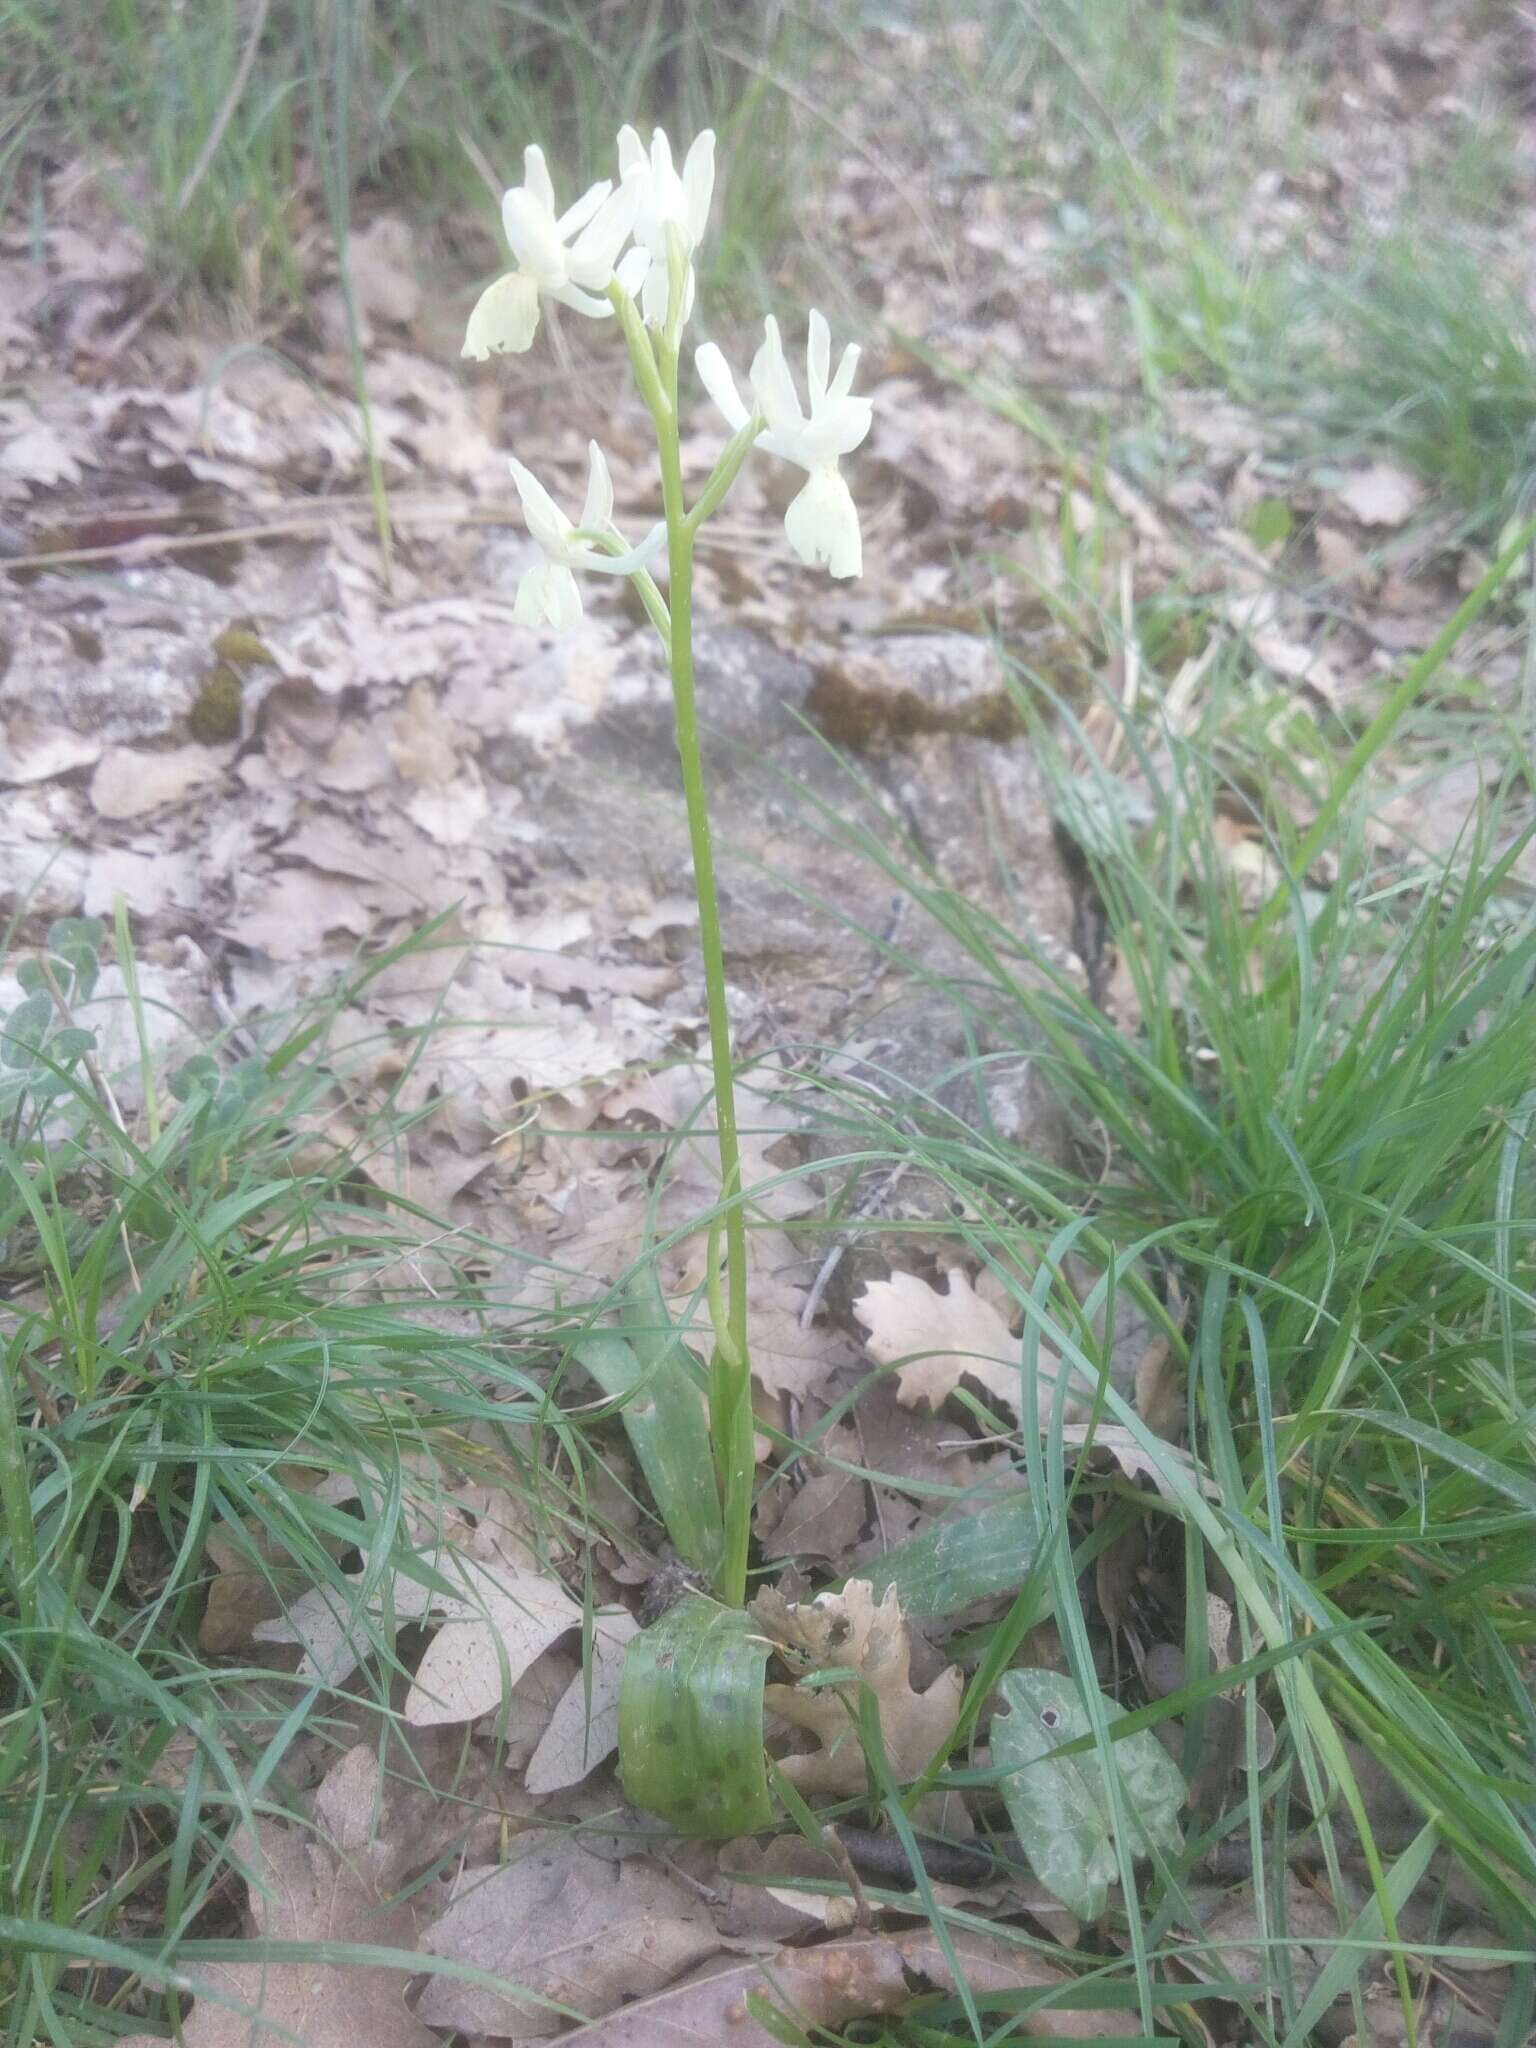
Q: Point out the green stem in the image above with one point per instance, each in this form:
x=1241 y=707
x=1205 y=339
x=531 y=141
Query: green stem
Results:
x=730 y=1379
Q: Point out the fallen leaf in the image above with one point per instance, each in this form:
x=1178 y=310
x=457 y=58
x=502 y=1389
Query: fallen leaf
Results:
x=1238 y=1952
x=832 y=1984
x=243 y=1592
x=130 y=781
x=303 y=1890
x=487 y=1642
x=847 y=1630
x=1253 y=869
x=1341 y=559
x=567 y=1926
x=1134 y=1460
x=823 y=1516
x=786 y=1358
x=947 y=1338
x=584 y=1728
x=1382 y=495
x=1162 y=1398
x=34 y=452
x=507 y=1616
x=380 y=264
x=31 y=751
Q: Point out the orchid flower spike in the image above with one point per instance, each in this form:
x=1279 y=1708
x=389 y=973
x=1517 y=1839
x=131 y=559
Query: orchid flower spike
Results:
x=822 y=523
x=569 y=258
x=549 y=592
x=665 y=200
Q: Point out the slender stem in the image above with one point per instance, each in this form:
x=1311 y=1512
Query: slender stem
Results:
x=730 y=1380
x=730 y=1377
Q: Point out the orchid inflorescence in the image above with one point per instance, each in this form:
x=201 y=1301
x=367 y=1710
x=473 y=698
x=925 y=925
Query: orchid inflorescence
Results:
x=627 y=250
x=574 y=259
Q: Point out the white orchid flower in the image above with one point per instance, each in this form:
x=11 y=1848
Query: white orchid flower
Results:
x=569 y=257
x=549 y=593
x=665 y=200
x=823 y=522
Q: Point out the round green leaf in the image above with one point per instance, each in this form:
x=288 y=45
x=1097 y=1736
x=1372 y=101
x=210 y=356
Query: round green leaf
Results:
x=1059 y=1805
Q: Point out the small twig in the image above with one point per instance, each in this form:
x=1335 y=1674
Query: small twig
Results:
x=878 y=1191
x=832 y=1841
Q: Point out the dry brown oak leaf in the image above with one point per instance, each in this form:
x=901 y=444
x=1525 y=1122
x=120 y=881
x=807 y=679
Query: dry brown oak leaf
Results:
x=948 y=1337
x=304 y=1889
x=833 y=1984
x=570 y=1927
x=848 y=1630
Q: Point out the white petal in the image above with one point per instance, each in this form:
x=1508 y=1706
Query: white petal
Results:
x=536 y=177
x=597 y=512
x=575 y=217
x=715 y=375
x=842 y=383
x=548 y=594
x=771 y=382
x=698 y=185
x=562 y=600
x=661 y=160
x=590 y=261
x=580 y=302
x=823 y=524
x=632 y=156
x=634 y=268
x=836 y=428
x=533 y=237
x=655 y=294
x=505 y=319
x=818 y=358
x=545 y=521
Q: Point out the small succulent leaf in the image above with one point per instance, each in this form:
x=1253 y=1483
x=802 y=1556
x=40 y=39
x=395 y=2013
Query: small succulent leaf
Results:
x=196 y=1076
x=1060 y=1808
x=23 y=1032
x=691 y=1720
x=984 y=1551
x=29 y=974
x=75 y=934
x=77 y=942
x=71 y=1044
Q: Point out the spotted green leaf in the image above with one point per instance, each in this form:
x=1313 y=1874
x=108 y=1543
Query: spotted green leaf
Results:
x=988 y=1549
x=1059 y=1805
x=691 y=1720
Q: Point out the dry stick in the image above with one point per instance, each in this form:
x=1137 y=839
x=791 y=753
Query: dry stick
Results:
x=882 y=1856
x=320 y=520
x=103 y=1088
x=225 y=115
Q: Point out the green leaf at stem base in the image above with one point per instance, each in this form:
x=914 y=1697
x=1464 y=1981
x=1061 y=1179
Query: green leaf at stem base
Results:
x=691 y=1720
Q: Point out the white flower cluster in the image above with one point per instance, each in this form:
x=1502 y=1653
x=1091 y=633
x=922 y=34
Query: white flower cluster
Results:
x=574 y=258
